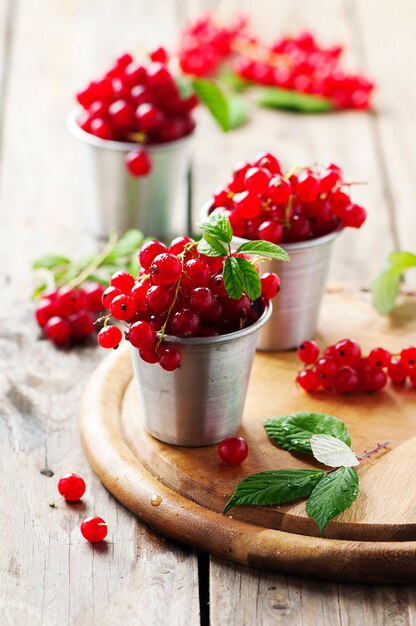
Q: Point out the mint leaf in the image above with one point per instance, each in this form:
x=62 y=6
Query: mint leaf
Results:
x=49 y=262
x=228 y=112
x=210 y=246
x=277 y=98
x=128 y=244
x=237 y=111
x=233 y=278
x=251 y=279
x=293 y=432
x=274 y=487
x=385 y=288
x=332 y=451
x=264 y=248
x=218 y=225
x=334 y=493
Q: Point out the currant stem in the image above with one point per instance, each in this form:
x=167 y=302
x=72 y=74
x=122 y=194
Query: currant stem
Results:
x=95 y=263
x=369 y=453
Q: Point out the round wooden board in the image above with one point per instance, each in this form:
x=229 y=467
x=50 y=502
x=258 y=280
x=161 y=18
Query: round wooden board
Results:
x=373 y=541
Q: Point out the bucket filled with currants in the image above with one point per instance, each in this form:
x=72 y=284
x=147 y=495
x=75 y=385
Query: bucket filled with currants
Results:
x=192 y=318
x=301 y=209
x=136 y=129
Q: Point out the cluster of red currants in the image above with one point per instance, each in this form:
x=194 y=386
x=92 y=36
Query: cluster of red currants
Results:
x=300 y=64
x=263 y=202
x=68 y=314
x=72 y=488
x=343 y=369
x=179 y=292
x=138 y=103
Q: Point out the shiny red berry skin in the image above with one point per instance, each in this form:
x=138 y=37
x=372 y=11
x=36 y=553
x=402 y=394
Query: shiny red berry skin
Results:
x=178 y=245
x=123 y=281
x=149 y=355
x=257 y=180
x=70 y=300
x=372 y=378
x=123 y=307
x=326 y=368
x=160 y=55
x=139 y=294
x=353 y=216
x=81 y=324
x=148 y=117
x=233 y=450
x=280 y=190
x=94 y=529
x=138 y=163
x=412 y=377
x=307 y=187
x=309 y=380
x=268 y=161
x=397 y=372
x=142 y=335
x=196 y=273
x=45 y=310
x=120 y=114
x=110 y=337
x=346 y=380
x=100 y=128
x=201 y=299
x=93 y=295
x=159 y=299
x=270 y=285
x=166 y=269
x=169 y=358
x=57 y=329
x=71 y=487
x=108 y=296
x=408 y=358
x=149 y=251
x=308 y=352
x=379 y=357
x=270 y=231
x=185 y=323
x=347 y=353
x=247 y=204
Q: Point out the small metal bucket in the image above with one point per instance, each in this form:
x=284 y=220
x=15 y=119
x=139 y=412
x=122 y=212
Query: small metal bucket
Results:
x=202 y=402
x=157 y=204
x=303 y=278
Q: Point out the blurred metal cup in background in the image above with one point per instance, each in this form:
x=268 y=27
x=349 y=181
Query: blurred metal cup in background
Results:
x=157 y=204
x=202 y=402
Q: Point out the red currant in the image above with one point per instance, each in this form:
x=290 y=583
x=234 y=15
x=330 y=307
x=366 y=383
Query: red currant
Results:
x=270 y=231
x=149 y=251
x=408 y=358
x=379 y=357
x=71 y=487
x=94 y=529
x=108 y=296
x=149 y=355
x=372 y=378
x=307 y=187
x=93 y=294
x=247 y=204
x=280 y=190
x=110 y=337
x=346 y=380
x=233 y=450
x=185 y=323
x=123 y=281
x=81 y=324
x=178 y=245
x=123 y=307
x=138 y=163
x=58 y=330
x=142 y=335
x=309 y=380
x=196 y=273
x=270 y=285
x=159 y=299
x=169 y=358
x=166 y=269
x=201 y=299
x=148 y=117
x=347 y=352
x=45 y=310
x=257 y=180
x=308 y=352
x=397 y=371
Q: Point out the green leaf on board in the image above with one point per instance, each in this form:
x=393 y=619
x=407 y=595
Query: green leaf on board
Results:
x=232 y=80
x=274 y=487
x=233 y=278
x=50 y=262
x=210 y=246
x=293 y=432
x=385 y=288
x=264 y=248
x=237 y=111
x=226 y=110
x=334 y=493
x=277 y=98
x=251 y=279
x=332 y=451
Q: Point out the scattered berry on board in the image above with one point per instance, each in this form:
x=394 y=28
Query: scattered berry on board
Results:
x=342 y=367
x=94 y=529
x=233 y=450
x=71 y=487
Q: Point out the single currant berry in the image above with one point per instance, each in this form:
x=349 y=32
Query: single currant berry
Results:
x=57 y=330
x=185 y=323
x=123 y=307
x=166 y=269
x=45 y=310
x=160 y=55
x=71 y=487
x=270 y=231
x=307 y=187
x=408 y=357
x=94 y=529
x=347 y=352
x=215 y=313
x=93 y=296
x=308 y=352
x=346 y=380
x=372 y=378
x=100 y=128
x=178 y=245
x=120 y=114
x=379 y=357
x=279 y=190
x=236 y=309
x=159 y=299
x=326 y=368
x=257 y=180
x=397 y=372
x=353 y=216
x=328 y=180
x=233 y=450
x=70 y=300
x=110 y=337
x=148 y=117
x=123 y=281
x=108 y=296
x=247 y=204
x=124 y=60
x=268 y=161
x=309 y=380
x=270 y=285
x=149 y=251
x=201 y=299
x=169 y=358
x=149 y=354
x=138 y=163
x=142 y=335
x=196 y=273
x=81 y=324
x=139 y=293
x=217 y=286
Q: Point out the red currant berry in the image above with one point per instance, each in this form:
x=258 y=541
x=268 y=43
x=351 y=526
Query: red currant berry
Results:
x=166 y=269
x=159 y=299
x=233 y=450
x=372 y=378
x=408 y=358
x=268 y=161
x=309 y=380
x=379 y=357
x=346 y=380
x=148 y=117
x=124 y=60
x=149 y=355
x=347 y=352
x=169 y=358
x=196 y=273
x=270 y=285
x=123 y=307
x=326 y=367
x=120 y=114
x=142 y=335
x=215 y=312
x=45 y=310
x=94 y=529
x=139 y=293
x=100 y=128
x=93 y=296
x=138 y=163
x=110 y=337
x=328 y=180
x=149 y=251
x=397 y=372
x=108 y=296
x=123 y=281
x=217 y=286
x=201 y=299
x=270 y=231
x=279 y=190
x=307 y=187
x=57 y=330
x=257 y=180
x=353 y=216
x=308 y=352
x=178 y=245
x=70 y=300
x=81 y=324
x=247 y=204
x=71 y=487
x=185 y=323
x=160 y=55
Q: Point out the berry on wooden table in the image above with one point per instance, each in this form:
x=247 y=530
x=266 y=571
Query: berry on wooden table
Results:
x=308 y=352
x=94 y=529
x=71 y=487
x=233 y=450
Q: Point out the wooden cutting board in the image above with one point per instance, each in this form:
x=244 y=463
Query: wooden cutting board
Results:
x=374 y=540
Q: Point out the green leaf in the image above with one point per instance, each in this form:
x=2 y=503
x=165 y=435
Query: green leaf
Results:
x=276 y=98
x=237 y=111
x=233 y=278
x=49 y=262
x=226 y=110
x=251 y=279
x=210 y=246
x=274 y=487
x=293 y=432
x=264 y=248
x=184 y=85
x=232 y=80
x=334 y=493
x=332 y=451
x=385 y=288
x=39 y=291
x=128 y=244
x=218 y=225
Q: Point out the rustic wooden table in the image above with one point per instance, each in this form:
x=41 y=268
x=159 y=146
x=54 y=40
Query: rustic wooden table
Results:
x=49 y=574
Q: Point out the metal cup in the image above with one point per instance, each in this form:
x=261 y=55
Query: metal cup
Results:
x=157 y=204
x=303 y=278
x=202 y=402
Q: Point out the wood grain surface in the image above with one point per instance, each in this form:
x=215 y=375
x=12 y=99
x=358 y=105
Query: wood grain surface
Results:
x=47 y=50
